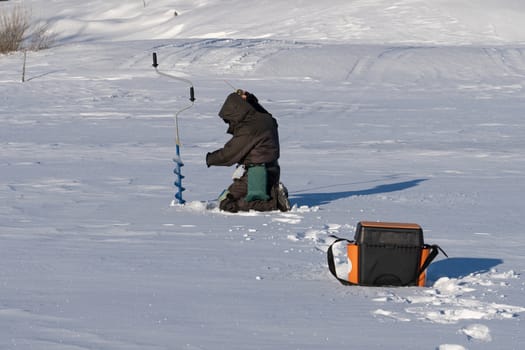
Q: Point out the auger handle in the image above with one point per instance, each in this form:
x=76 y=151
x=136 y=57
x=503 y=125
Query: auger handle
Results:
x=155 y=64
x=192 y=89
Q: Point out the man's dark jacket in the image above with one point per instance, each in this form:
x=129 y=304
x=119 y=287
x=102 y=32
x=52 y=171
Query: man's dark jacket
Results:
x=255 y=137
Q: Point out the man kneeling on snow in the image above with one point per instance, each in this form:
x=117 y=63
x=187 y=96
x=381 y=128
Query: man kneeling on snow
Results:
x=254 y=147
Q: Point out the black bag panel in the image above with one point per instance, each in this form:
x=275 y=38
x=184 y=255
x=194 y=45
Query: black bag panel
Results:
x=389 y=233
x=382 y=265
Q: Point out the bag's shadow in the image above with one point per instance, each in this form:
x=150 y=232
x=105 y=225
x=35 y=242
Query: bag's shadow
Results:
x=460 y=267
x=321 y=198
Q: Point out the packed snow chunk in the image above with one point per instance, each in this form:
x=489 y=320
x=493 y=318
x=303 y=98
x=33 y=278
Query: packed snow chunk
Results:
x=332 y=227
x=446 y=285
x=451 y=347
x=288 y=218
x=390 y=314
x=503 y=275
x=317 y=236
x=452 y=315
x=197 y=206
x=305 y=209
x=477 y=331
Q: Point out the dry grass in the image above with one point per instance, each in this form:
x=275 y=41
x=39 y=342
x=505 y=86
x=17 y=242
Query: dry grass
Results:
x=14 y=25
x=16 y=32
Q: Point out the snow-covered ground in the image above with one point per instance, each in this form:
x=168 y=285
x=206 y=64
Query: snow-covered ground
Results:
x=408 y=110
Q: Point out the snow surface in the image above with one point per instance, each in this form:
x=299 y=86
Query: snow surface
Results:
x=407 y=110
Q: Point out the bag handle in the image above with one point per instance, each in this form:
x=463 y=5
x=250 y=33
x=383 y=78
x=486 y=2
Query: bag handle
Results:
x=331 y=262
x=434 y=251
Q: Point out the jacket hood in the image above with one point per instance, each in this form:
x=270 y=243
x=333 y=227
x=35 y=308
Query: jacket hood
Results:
x=234 y=109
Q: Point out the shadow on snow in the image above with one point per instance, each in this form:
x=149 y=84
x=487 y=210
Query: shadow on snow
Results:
x=313 y=199
x=460 y=267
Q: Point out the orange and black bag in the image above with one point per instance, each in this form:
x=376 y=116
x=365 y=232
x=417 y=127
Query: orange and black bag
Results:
x=386 y=254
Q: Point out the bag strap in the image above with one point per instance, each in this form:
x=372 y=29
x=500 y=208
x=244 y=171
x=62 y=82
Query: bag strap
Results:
x=434 y=251
x=331 y=262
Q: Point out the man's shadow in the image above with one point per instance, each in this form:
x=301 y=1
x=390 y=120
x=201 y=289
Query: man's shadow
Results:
x=321 y=198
